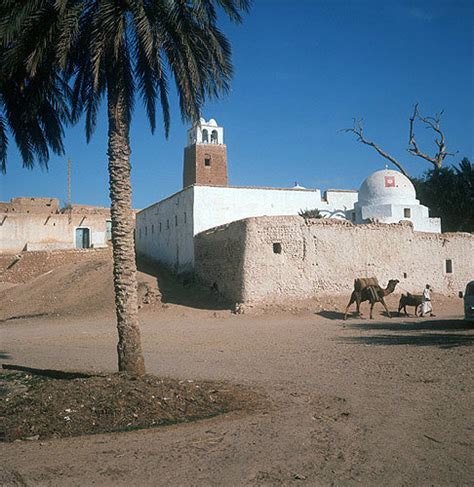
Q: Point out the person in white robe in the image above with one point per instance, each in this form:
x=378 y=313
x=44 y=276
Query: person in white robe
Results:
x=426 y=306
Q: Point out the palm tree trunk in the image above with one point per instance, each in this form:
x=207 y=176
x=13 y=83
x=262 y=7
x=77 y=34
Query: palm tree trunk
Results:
x=130 y=355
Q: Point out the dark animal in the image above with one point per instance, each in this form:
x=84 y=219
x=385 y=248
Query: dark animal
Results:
x=372 y=293
x=410 y=300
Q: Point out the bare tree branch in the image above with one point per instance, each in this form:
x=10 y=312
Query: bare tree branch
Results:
x=358 y=130
x=434 y=124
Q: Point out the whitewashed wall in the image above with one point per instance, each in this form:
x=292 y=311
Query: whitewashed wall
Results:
x=338 y=204
x=164 y=231
x=214 y=206
x=390 y=213
x=22 y=231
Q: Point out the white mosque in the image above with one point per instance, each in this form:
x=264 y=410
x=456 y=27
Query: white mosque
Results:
x=165 y=230
x=387 y=196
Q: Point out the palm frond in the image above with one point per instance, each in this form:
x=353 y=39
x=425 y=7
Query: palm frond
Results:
x=59 y=58
x=3 y=145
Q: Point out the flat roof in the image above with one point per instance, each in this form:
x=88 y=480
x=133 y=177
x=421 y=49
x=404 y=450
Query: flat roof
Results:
x=229 y=187
x=341 y=191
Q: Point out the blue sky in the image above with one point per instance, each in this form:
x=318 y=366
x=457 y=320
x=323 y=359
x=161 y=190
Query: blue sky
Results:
x=303 y=70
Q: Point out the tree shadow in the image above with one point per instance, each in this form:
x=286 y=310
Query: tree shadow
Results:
x=439 y=333
x=430 y=325
x=4 y=355
x=183 y=290
x=52 y=373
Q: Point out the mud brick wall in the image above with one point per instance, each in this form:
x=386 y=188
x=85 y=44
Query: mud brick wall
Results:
x=286 y=258
x=219 y=259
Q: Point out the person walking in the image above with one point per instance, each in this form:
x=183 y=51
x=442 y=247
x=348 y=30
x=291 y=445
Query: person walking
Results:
x=426 y=306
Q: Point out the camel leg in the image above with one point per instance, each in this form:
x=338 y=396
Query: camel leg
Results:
x=358 y=303
x=349 y=305
x=385 y=306
x=404 y=309
x=371 y=309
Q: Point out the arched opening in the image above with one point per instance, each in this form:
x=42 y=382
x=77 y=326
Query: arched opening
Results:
x=205 y=136
x=214 y=137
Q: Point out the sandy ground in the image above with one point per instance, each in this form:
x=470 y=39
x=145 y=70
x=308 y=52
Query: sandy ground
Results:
x=362 y=402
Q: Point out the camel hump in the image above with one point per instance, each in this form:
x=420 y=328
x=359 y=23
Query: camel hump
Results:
x=363 y=282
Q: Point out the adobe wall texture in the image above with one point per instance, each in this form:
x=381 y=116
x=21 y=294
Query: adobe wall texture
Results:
x=30 y=205
x=324 y=256
x=220 y=259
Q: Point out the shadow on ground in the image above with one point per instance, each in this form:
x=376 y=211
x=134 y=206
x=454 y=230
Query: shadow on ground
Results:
x=334 y=315
x=339 y=315
x=52 y=373
x=433 y=333
x=182 y=290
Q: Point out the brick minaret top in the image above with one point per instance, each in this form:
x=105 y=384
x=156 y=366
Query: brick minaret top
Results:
x=205 y=157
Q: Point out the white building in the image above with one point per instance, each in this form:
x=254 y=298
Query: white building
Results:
x=165 y=230
x=387 y=196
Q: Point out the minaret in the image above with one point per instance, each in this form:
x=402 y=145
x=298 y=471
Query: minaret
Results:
x=205 y=157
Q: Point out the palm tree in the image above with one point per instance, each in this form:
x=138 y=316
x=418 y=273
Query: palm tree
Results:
x=38 y=129
x=112 y=49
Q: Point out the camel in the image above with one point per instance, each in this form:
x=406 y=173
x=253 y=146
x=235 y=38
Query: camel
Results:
x=370 y=291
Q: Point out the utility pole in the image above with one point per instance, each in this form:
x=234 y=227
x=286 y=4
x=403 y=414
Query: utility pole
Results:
x=69 y=205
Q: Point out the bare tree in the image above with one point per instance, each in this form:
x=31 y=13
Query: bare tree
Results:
x=440 y=141
x=358 y=130
x=430 y=123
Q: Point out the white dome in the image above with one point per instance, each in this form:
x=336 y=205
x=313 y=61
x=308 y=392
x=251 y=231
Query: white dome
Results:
x=387 y=187
x=212 y=123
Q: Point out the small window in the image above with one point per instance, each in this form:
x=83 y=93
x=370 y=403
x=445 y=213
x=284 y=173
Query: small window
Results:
x=167 y=224
x=449 y=266
x=353 y=216
x=153 y=229
x=207 y=161
x=139 y=233
x=146 y=231
x=405 y=275
x=406 y=213
x=277 y=248
x=160 y=226
x=176 y=220
x=185 y=217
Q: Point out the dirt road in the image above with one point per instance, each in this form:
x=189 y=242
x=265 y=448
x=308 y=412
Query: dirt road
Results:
x=382 y=402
